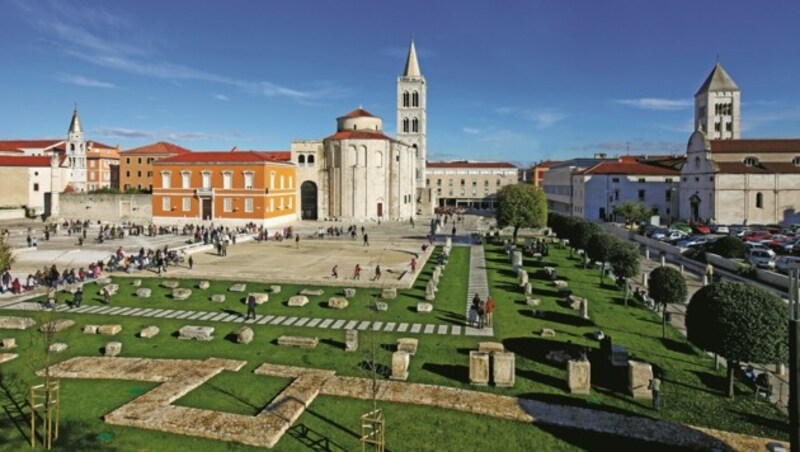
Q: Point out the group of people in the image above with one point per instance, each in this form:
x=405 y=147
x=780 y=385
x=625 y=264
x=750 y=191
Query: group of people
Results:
x=376 y=276
x=537 y=246
x=480 y=312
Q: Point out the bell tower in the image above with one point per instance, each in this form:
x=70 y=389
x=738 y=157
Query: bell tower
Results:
x=411 y=117
x=76 y=153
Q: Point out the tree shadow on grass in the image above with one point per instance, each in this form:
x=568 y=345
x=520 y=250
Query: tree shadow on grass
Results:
x=576 y=402
x=678 y=347
x=539 y=377
x=589 y=440
x=334 y=343
x=775 y=424
x=450 y=371
x=567 y=319
x=12 y=398
x=536 y=349
x=714 y=384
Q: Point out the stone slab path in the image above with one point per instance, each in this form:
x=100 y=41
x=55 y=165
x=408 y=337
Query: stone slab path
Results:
x=302 y=322
x=478 y=283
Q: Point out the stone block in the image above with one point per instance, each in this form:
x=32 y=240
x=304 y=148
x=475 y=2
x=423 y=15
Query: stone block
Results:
x=298 y=301
x=218 y=298
x=560 y=283
x=57 y=347
x=491 y=347
x=6 y=357
x=203 y=285
x=143 y=292
x=579 y=376
x=136 y=282
x=170 y=284
x=424 y=307
x=349 y=292
x=351 y=341
x=548 y=332
x=338 y=303
x=109 y=330
x=112 y=349
x=400 y=361
x=523 y=278
x=244 y=335
x=16 y=323
x=574 y=302
x=199 y=333
x=527 y=289
x=275 y=289
x=181 y=293
x=238 y=287
x=8 y=343
x=381 y=306
x=312 y=292
x=430 y=296
x=389 y=293
x=516 y=259
x=90 y=329
x=639 y=376
x=102 y=281
x=112 y=289
x=149 y=332
x=56 y=326
x=408 y=345
x=261 y=297
x=584 y=308
x=619 y=356
x=503 y=369
x=478 y=368
x=298 y=341
x=531 y=301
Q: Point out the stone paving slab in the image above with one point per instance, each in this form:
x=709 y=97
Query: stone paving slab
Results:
x=198 y=315
x=402 y=328
x=325 y=323
x=215 y=316
x=389 y=327
x=289 y=321
x=83 y=308
x=187 y=314
x=174 y=314
x=277 y=320
x=313 y=322
x=456 y=330
x=442 y=329
x=429 y=329
x=377 y=326
x=254 y=319
x=302 y=321
x=230 y=317
x=364 y=325
x=351 y=324
x=93 y=309
x=266 y=319
x=416 y=327
x=337 y=324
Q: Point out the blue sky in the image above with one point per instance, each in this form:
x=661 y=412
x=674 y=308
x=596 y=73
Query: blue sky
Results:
x=515 y=80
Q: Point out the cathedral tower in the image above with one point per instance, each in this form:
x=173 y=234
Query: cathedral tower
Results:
x=717 y=106
x=76 y=153
x=411 y=117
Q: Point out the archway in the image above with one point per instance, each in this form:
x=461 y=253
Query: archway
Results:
x=308 y=201
x=694 y=202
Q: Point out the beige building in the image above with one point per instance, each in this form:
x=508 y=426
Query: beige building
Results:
x=33 y=182
x=469 y=184
x=102 y=166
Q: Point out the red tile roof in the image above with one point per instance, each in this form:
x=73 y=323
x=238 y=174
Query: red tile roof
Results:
x=359 y=135
x=14 y=145
x=228 y=157
x=468 y=164
x=630 y=165
x=27 y=160
x=161 y=147
x=761 y=168
x=546 y=163
x=791 y=146
x=359 y=113
x=97 y=144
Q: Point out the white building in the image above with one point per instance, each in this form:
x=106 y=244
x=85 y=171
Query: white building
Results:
x=33 y=182
x=469 y=184
x=360 y=173
x=557 y=184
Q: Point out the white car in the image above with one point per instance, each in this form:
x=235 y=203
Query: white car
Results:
x=694 y=241
x=720 y=229
x=761 y=259
x=753 y=246
x=783 y=263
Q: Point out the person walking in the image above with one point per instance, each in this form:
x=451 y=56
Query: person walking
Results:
x=251 y=307
x=366 y=239
x=473 y=315
x=77 y=299
x=297 y=241
x=481 y=314
x=335 y=272
x=191 y=262
x=489 y=310
x=377 y=273
x=357 y=272
x=655 y=386
x=453 y=236
x=413 y=265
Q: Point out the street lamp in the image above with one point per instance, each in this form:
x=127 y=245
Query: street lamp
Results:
x=794 y=357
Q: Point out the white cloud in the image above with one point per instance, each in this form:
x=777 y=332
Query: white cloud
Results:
x=655 y=103
x=753 y=120
x=221 y=97
x=545 y=119
x=121 y=132
x=471 y=130
x=80 y=80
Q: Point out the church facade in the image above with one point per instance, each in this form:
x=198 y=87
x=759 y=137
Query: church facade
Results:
x=360 y=173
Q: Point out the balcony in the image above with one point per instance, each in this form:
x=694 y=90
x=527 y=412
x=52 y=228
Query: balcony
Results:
x=204 y=192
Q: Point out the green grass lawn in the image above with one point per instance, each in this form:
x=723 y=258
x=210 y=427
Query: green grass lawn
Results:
x=691 y=390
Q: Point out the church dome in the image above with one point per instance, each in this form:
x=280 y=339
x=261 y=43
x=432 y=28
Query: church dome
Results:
x=359 y=119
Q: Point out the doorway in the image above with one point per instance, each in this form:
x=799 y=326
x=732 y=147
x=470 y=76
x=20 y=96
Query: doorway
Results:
x=206 y=209
x=308 y=201
x=380 y=209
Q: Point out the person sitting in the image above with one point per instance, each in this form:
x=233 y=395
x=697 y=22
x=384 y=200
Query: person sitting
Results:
x=763 y=385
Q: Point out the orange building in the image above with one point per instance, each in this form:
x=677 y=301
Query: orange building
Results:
x=235 y=187
x=537 y=178
x=102 y=166
x=136 y=165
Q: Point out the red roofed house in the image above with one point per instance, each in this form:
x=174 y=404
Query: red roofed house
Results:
x=652 y=181
x=136 y=165
x=538 y=170
x=469 y=184
x=233 y=187
x=102 y=166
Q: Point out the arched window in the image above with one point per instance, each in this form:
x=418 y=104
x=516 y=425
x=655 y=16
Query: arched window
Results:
x=415 y=99
x=759 y=200
x=405 y=124
x=796 y=161
x=697 y=162
x=378 y=159
x=405 y=98
x=310 y=160
x=415 y=125
x=362 y=156
x=352 y=156
x=301 y=159
x=415 y=150
x=72 y=146
x=751 y=161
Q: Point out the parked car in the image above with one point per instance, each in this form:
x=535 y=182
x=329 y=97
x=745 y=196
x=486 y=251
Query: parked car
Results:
x=720 y=229
x=695 y=240
x=783 y=263
x=761 y=258
x=674 y=236
x=757 y=236
x=659 y=233
x=752 y=246
x=701 y=228
x=682 y=227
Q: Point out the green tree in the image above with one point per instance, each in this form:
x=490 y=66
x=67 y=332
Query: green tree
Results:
x=581 y=233
x=741 y=323
x=625 y=261
x=6 y=256
x=633 y=212
x=729 y=247
x=666 y=285
x=599 y=249
x=521 y=206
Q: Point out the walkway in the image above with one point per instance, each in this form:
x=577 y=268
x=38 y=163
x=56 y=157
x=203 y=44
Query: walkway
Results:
x=478 y=283
x=228 y=317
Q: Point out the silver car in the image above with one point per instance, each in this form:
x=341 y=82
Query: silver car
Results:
x=761 y=259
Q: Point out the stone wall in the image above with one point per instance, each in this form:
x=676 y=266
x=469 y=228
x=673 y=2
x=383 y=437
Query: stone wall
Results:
x=106 y=207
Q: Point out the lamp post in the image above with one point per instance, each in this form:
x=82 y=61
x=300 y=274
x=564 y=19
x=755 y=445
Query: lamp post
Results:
x=794 y=356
